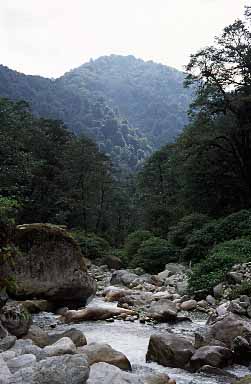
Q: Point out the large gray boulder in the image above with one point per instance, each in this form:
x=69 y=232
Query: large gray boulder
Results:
x=123 y=277
x=66 y=369
x=102 y=373
x=212 y=355
x=227 y=327
x=64 y=346
x=100 y=352
x=22 y=361
x=43 y=338
x=170 y=350
x=163 y=310
x=50 y=266
x=5 y=373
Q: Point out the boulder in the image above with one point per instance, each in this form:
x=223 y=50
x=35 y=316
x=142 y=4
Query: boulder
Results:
x=22 y=361
x=212 y=355
x=123 y=277
x=50 y=266
x=43 y=338
x=113 y=262
x=23 y=347
x=15 y=318
x=94 y=313
x=170 y=350
x=115 y=293
x=102 y=373
x=5 y=373
x=104 y=353
x=7 y=342
x=188 y=305
x=163 y=310
x=36 y=306
x=175 y=268
x=227 y=327
x=66 y=369
x=64 y=346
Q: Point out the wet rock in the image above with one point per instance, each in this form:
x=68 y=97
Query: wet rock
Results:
x=7 y=343
x=215 y=356
x=163 y=310
x=5 y=373
x=209 y=370
x=170 y=350
x=20 y=362
x=43 y=338
x=188 y=305
x=63 y=346
x=22 y=347
x=113 y=262
x=109 y=374
x=94 y=313
x=227 y=327
x=123 y=277
x=115 y=293
x=50 y=266
x=242 y=350
x=66 y=369
x=210 y=300
x=15 y=319
x=104 y=353
x=218 y=290
x=35 y=306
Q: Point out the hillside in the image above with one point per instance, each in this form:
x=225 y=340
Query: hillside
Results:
x=128 y=106
x=151 y=96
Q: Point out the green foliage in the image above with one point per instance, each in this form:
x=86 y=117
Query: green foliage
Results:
x=180 y=233
x=153 y=255
x=92 y=246
x=133 y=243
x=243 y=289
x=8 y=210
x=234 y=226
x=220 y=260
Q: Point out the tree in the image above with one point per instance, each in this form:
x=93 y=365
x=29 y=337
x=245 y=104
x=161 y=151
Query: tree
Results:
x=222 y=74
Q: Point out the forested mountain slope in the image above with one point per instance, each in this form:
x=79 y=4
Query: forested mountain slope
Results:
x=128 y=106
x=151 y=96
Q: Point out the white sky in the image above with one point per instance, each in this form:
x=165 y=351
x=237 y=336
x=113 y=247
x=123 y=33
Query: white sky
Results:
x=49 y=37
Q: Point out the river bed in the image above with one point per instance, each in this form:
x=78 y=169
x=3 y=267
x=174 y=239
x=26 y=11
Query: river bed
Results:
x=132 y=339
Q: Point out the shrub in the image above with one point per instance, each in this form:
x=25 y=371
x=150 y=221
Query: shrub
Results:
x=92 y=246
x=234 y=226
x=200 y=242
x=179 y=234
x=153 y=254
x=133 y=243
x=243 y=289
x=220 y=260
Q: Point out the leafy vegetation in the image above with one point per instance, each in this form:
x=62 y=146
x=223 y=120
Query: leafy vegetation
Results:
x=213 y=269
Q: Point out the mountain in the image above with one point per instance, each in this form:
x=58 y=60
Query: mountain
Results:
x=128 y=106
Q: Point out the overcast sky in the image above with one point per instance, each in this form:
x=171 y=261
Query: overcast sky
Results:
x=50 y=37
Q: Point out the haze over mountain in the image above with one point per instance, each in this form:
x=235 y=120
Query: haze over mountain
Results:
x=128 y=106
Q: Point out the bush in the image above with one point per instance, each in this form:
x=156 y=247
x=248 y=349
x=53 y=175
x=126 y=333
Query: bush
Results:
x=92 y=246
x=220 y=260
x=133 y=244
x=200 y=242
x=180 y=233
x=154 y=254
x=243 y=289
x=234 y=226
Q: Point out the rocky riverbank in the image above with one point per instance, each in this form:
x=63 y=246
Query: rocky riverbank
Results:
x=159 y=305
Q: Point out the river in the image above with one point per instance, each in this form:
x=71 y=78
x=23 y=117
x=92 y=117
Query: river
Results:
x=132 y=339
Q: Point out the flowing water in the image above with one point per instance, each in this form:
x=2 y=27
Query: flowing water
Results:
x=132 y=339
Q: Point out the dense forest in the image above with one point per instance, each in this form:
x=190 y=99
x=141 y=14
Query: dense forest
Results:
x=127 y=106
x=191 y=199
